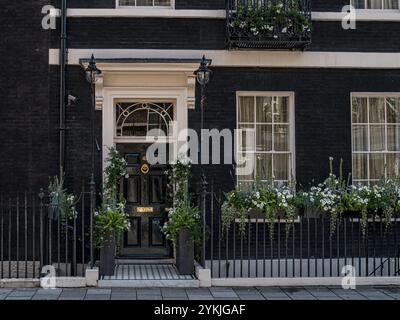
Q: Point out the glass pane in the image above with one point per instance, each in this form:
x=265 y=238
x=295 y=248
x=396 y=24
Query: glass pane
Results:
x=264 y=137
x=360 y=138
x=144 y=2
x=281 y=109
x=281 y=138
x=360 y=166
x=358 y=4
x=376 y=110
x=245 y=167
x=281 y=167
x=376 y=166
x=137 y=118
x=246 y=109
x=360 y=110
x=393 y=165
x=377 y=138
x=264 y=166
x=246 y=137
x=393 y=110
x=390 y=4
x=162 y=3
x=374 y=4
x=264 y=109
x=393 y=138
x=246 y=185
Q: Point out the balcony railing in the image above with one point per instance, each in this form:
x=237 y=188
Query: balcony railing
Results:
x=269 y=24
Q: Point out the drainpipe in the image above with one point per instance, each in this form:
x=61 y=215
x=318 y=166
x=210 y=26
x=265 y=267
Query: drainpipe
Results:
x=63 y=59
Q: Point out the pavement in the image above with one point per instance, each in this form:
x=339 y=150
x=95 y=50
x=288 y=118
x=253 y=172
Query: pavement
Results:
x=218 y=293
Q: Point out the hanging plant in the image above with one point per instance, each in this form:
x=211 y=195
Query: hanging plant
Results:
x=62 y=204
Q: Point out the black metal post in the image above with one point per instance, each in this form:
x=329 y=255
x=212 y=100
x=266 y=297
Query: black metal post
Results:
x=203 y=216
x=92 y=209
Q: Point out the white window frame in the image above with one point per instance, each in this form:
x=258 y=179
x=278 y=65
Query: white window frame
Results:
x=292 y=128
x=118 y=6
x=383 y=95
x=378 y=10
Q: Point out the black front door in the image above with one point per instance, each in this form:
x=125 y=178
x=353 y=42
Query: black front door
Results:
x=145 y=191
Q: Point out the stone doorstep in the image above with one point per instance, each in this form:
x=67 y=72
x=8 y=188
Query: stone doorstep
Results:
x=148 y=283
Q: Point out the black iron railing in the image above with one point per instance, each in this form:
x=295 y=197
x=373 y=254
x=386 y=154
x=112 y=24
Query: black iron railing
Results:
x=269 y=24
x=308 y=249
x=32 y=236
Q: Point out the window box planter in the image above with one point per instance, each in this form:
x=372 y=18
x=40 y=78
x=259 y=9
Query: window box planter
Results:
x=269 y=24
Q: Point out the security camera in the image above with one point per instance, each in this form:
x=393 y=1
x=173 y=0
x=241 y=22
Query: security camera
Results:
x=71 y=99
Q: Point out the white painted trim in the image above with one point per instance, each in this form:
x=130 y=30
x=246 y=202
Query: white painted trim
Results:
x=298 y=282
x=282 y=59
x=111 y=94
x=292 y=111
x=134 y=12
x=361 y=15
x=368 y=152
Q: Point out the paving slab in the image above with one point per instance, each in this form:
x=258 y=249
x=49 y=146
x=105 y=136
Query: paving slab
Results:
x=299 y=293
x=173 y=293
x=223 y=293
x=200 y=297
x=49 y=292
x=273 y=293
x=98 y=297
x=22 y=293
x=374 y=294
x=148 y=297
x=98 y=291
x=321 y=292
x=149 y=291
x=348 y=294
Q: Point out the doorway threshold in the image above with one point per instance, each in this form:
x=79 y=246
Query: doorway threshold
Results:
x=147 y=275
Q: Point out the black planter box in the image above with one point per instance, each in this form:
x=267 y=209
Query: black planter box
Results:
x=185 y=253
x=107 y=258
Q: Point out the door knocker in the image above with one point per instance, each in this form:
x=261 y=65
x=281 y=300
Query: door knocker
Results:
x=145 y=169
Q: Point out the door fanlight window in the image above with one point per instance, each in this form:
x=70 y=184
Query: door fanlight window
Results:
x=144 y=119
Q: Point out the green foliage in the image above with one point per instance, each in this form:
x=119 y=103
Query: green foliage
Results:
x=111 y=219
x=62 y=203
x=334 y=197
x=271 y=22
x=182 y=215
x=267 y=198
x=115 y=170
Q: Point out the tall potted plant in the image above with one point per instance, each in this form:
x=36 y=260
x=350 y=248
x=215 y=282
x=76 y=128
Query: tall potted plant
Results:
x=183 y=227
x=111 y=219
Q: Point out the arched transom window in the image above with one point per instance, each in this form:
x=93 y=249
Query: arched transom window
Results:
x=136 y=119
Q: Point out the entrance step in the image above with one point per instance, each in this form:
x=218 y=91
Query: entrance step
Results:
x=147 y=275
x=124 y=261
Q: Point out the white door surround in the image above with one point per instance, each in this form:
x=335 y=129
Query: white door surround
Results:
x=144 y=82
